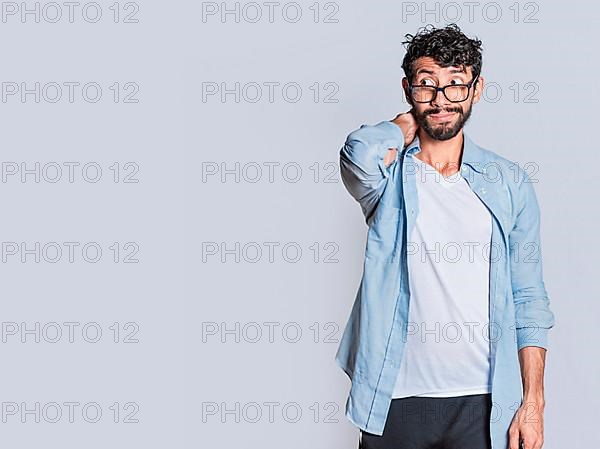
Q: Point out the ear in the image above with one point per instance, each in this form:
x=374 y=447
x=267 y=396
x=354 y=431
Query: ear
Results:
x=478 y=89
x=406 y=92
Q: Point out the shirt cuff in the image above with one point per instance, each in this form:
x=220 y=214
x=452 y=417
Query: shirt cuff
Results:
x=394 y=139
x=532 y=336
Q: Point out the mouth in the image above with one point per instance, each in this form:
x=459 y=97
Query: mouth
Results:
x=442 y=116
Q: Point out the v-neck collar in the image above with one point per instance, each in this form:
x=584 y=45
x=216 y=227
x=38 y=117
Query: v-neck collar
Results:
x=447 y=182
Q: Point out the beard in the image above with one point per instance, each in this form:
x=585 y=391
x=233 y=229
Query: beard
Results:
x=444 y=130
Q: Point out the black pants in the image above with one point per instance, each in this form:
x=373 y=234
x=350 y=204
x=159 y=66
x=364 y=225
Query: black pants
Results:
x=460 y=422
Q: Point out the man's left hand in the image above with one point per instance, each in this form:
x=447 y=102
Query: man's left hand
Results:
x=527 y=426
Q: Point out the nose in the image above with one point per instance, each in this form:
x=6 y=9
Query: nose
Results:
x=440 y=101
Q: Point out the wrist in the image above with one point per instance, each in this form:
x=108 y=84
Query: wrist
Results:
x=534 y=397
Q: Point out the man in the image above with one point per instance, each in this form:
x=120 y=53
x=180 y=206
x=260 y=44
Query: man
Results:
x=446 y=342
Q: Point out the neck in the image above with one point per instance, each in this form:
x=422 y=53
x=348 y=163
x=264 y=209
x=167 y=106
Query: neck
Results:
x=443 y=155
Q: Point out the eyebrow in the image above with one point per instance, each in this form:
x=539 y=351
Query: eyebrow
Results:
x=430 y=72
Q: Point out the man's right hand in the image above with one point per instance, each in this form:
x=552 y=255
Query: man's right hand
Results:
x=407 y=123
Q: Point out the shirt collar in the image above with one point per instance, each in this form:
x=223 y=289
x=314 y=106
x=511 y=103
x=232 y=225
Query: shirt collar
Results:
x=472 y=154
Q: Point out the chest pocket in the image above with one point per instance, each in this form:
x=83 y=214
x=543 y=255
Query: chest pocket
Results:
x=391 y=203
x=498 y=198
x=382 y=238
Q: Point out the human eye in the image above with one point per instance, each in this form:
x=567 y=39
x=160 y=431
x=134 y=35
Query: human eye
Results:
x=424 y=81
x=457 y=80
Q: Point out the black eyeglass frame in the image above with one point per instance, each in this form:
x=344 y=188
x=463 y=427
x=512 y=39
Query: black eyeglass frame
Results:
x=443 y=90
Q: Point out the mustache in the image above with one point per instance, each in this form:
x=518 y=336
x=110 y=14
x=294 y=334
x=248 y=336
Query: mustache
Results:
x=445 y=111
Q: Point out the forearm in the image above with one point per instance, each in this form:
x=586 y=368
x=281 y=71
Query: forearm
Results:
x=363 y=162
x=533 y=360
x=363 y=156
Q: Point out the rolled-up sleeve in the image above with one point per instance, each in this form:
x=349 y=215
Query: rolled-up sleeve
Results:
x=532 y=311
x=362 y=166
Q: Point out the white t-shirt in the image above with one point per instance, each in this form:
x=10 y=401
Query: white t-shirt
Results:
x=448 y=254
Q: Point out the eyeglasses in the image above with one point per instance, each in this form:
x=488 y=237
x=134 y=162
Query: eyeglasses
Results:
x=453 y=92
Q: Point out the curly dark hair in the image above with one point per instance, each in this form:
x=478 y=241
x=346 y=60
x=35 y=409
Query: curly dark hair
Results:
x=448 y=46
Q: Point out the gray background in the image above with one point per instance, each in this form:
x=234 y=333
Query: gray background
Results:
x=197 y=317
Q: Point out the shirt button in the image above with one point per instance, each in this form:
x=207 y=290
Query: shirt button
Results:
x=484 y=170
x=412 y=211
x=482 y=190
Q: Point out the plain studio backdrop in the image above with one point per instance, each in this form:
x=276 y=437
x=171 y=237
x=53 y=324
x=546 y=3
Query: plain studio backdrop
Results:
x=179 y=255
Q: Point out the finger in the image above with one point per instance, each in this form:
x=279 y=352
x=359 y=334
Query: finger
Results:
x=513 y=440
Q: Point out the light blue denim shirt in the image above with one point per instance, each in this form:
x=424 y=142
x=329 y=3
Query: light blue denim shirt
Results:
x=373 y=340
